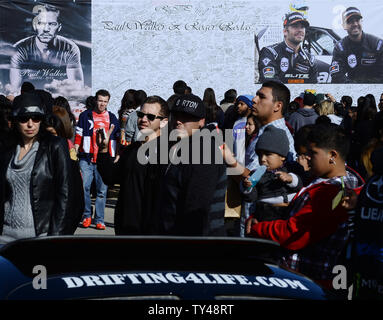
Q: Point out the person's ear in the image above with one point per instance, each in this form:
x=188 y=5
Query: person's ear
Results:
x=59 y=28
x=201 y=123
x=285 y=32
x=278 y=106
x=163 y=122
x=333 y=156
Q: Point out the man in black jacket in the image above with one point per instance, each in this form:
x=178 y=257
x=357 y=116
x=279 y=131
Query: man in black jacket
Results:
x=193 y=190
x=288 y=61
x=358 y=57
x=137 y=172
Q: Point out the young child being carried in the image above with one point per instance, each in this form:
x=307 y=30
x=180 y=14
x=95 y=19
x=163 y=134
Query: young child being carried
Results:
x=278 y=185
x=316 y=232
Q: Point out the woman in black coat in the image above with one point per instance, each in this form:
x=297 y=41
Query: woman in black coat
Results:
x=36 y=186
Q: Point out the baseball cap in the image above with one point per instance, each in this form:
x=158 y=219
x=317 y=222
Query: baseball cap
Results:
x=28 y=104
x=295 y=17
x=309 y=97
x=349 y=12
x=190 y=104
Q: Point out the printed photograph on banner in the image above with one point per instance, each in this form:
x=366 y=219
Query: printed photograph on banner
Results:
x=321 y=42
x=47 y=44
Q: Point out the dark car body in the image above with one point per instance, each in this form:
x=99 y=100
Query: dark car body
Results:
x=320 y=42
x=131 y=268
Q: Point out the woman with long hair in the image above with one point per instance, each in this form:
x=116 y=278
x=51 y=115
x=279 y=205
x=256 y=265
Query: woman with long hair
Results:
x=64 y=103
x=214 y=113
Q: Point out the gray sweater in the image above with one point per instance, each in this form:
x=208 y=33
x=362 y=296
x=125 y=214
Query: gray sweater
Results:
x=18 y=216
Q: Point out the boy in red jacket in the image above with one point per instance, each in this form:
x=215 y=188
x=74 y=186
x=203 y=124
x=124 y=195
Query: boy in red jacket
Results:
x=316 y=231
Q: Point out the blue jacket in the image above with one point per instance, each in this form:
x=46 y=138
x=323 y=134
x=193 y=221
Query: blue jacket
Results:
x=84 y=133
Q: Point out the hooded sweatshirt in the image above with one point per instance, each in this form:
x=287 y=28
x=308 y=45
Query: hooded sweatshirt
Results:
x=302 y=117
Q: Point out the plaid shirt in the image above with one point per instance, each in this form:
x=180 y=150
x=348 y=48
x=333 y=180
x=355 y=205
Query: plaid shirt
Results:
x=317 y=260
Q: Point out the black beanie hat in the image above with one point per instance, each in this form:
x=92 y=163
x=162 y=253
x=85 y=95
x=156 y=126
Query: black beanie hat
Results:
x=309 y=98
x=273 y=140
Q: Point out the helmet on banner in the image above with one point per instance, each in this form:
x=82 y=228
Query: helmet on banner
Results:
x=299 y=6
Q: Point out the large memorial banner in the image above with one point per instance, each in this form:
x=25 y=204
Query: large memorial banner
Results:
x=47 y=44
x=150 y=44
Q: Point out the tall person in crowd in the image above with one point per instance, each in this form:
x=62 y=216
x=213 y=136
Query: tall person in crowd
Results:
x=269 y=105
x=305 y=115
x=192 y=194
x=36 y=188
x=86 y=146
x=288 y=61
x=229 y=99
x=139 y=181
x=358 y=57
x=46 y=50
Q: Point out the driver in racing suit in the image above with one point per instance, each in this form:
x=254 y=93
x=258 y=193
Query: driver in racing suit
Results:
x=358 y=57
x=288 y=61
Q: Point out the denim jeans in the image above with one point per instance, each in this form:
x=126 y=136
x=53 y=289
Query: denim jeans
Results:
x=89 y=171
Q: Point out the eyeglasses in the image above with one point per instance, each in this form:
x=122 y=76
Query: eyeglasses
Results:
x=25 y=119
x=151 y=117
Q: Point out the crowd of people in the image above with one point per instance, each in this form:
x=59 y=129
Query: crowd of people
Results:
x=295 y=168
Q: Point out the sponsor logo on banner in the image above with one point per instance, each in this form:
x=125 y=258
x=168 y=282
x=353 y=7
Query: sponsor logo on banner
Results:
x=367 y=62
x=297 y=75
x=284 y=64
x=268 y=72
x=302 y=68
x=334 y=67
x=352 y=60
x=266 y=61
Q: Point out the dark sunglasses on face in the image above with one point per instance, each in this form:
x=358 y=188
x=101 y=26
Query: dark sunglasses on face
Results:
x=25 y=119
x=151 y=117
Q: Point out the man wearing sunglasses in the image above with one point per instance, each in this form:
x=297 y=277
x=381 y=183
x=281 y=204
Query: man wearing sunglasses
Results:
x=139 y=179
x=192 y=194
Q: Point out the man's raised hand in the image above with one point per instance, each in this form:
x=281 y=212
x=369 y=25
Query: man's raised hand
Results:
x=102 y=138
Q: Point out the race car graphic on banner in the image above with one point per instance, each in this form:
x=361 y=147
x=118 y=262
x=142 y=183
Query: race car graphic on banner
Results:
x=308 y=50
